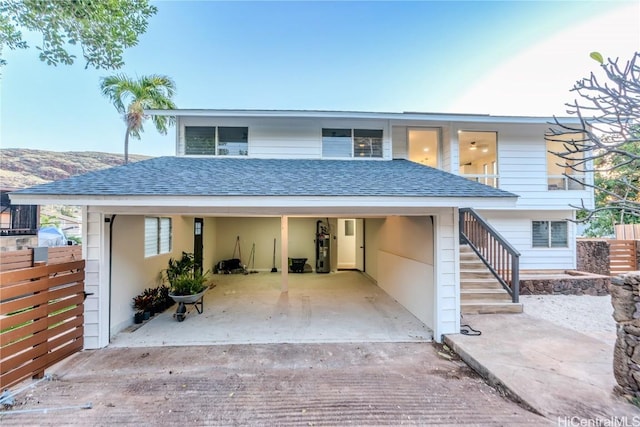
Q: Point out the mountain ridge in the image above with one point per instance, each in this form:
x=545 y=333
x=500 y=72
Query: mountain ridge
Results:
x=23 y=167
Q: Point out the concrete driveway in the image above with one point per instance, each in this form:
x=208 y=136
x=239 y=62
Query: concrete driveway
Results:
x=267 y=385
x=250 y=309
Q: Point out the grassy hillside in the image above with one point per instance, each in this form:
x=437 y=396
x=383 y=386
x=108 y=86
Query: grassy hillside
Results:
x=22 y=168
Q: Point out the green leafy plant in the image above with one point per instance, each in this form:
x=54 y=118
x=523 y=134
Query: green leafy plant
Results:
x=179 y=267
x=189 y=283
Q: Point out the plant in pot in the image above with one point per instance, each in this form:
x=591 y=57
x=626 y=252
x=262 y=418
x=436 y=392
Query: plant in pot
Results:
x=150 y=295
x=141 y=306
x=164 y=300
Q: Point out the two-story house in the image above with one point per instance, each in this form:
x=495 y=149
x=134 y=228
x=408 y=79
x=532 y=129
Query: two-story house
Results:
x=388 y=188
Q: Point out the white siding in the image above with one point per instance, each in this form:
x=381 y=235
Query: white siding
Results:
x=400 y=143
x=522 y=161
x=286 y=138
x=516 y=228
x=96 y=318
x=522 y=166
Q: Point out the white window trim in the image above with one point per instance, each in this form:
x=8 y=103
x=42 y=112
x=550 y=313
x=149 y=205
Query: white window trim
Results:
x=216 y=140
x=353 y=142
x=158 y=236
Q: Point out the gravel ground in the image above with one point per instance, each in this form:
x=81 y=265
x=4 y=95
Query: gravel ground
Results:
x=590 y=315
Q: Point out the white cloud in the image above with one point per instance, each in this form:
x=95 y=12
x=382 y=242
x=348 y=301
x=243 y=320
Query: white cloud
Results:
x=537 y=81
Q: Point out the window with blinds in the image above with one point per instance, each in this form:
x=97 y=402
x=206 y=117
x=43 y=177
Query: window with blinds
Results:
x=212 y=140
x=351 y=142
x=549 y=234
x=200 y=140
x=157 y=236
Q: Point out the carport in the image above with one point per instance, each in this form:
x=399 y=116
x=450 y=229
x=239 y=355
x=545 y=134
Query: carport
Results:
x=409 y=213
x=345 y=306
x=388 y=295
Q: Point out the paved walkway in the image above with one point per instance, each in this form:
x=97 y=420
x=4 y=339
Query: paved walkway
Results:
x=558 y=372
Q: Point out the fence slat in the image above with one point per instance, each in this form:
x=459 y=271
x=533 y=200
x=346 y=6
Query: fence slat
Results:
x=622 y=256
x=32 y=337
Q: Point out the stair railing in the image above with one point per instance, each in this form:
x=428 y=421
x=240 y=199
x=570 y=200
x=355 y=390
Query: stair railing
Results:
x=502 y=259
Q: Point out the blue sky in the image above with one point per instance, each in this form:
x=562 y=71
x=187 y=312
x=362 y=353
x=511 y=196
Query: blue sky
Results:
x=517 y=58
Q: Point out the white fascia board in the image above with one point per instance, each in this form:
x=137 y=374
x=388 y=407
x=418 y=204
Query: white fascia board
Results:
x=446 y=117
x=266 y=201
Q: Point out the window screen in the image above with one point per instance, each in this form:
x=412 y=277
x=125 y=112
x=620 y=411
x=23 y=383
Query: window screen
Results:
x=200 y=140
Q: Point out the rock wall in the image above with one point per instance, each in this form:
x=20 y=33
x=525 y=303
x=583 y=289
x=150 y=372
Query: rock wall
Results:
x=566 y=286
x=593 y=256
x=625 y=299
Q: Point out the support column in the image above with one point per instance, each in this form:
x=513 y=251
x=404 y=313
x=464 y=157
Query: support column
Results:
x=284 y=252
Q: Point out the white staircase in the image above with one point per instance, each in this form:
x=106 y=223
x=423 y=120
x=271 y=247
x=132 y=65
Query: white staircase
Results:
x=480 y=292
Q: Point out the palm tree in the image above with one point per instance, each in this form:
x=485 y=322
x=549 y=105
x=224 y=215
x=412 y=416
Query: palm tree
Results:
x=132 y=96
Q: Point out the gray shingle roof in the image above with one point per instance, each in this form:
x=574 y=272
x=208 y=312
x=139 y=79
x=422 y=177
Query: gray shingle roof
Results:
x=218 y=176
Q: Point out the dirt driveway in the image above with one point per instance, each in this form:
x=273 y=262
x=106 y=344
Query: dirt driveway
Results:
x=279 y=384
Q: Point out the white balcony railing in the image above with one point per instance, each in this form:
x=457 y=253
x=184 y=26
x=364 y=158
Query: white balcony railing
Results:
x=490 y=180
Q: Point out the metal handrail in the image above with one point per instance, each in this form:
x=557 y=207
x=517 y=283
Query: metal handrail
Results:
x=500 y=257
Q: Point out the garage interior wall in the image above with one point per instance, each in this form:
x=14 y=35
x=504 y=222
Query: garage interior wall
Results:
x=131 y=271
x=399 y=257
x=262 y=231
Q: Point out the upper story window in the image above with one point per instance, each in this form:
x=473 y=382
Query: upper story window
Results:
x=424 y=146
x=220 y=140
x=560 y=176
x=351 y=142
x=479 y=156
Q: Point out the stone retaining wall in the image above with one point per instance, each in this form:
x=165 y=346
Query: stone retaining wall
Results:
x=593 y=256
x=576 y=285
x=625 y=298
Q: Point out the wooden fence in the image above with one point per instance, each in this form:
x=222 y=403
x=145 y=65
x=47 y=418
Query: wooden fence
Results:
x=627 y=231
x=24 y=259
x=41 y=317
x=622 y=256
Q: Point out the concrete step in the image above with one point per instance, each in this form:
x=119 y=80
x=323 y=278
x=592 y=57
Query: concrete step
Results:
x=481 y=307
x=485 y=295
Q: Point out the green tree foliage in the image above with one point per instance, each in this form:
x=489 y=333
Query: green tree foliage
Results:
x=606 y=142
x=102 y=29
x=132 y=96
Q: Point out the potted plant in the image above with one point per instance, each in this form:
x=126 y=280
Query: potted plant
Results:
x=141 y=306
x=164 y=300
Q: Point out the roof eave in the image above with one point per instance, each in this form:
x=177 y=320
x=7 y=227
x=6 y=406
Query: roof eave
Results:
x=264 y=201
x=479 y=118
